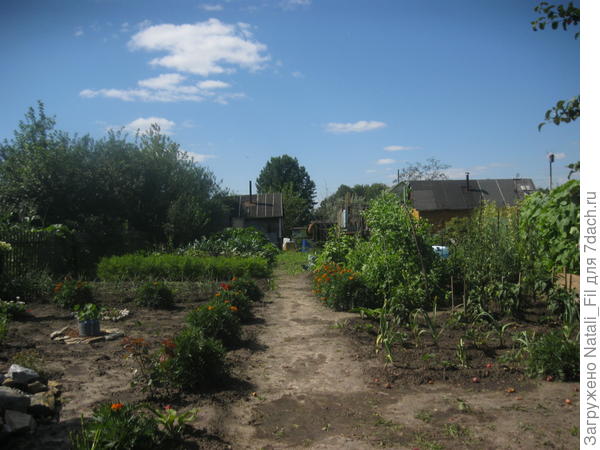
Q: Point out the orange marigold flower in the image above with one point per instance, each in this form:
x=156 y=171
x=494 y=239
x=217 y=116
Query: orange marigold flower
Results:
x=169 y=343
x=351 y=277
x=218 y=294
x=226 y=301
x=225 y=286
x=233 y=308
x=234 y=278
x=58 y=287
x=116 y=406
x=210 y=307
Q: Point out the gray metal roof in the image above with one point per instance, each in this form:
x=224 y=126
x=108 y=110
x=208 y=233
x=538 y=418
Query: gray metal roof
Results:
x=260 y=206
x=435 y=195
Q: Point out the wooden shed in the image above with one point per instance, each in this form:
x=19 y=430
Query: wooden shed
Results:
x=261 y=211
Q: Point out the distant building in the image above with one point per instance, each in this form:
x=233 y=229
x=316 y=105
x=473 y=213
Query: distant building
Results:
x=440 y=200
x=261 y=211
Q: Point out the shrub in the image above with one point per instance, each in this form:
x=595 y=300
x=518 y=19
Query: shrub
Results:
x=13 y=309
x=553 y=353
x=180 y=267
x=248 y=287
x=217 y=320
x=238 y=302
x=154 y=294
x=342 y=289
x=3 y=326
x=30 y=285
x=235 y=242
x=69 y=293
x=193 y=361
x=118 y=426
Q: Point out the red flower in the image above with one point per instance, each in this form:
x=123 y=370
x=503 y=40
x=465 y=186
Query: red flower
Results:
x=225 y=286
x=168 y=407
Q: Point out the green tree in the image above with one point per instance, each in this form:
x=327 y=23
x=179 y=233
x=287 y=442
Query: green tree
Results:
x=359 y=193
x=555 y=16
x=109 y=187
x=284 y=174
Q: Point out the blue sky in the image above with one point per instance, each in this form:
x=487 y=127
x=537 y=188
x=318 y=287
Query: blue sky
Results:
x=355 y=89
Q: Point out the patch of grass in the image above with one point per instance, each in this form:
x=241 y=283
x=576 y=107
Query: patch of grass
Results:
x=574 y=431
x=425 y=416
x=457 y=431
x=423 y=442
x=291 y=262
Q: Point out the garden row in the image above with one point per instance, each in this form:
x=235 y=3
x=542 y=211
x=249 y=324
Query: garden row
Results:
x=192 y=359
x=502 y=264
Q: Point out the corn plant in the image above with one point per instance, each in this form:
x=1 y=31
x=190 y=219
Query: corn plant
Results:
x=461 y=354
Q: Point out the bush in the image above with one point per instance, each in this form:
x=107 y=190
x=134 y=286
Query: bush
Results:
x=31 y=285
x=3 y=326
x=240 y=302
x=244 y=242
x=217 y=320
x=248 y=287
x=180 y=268
x=553 y=353
x=12 y=309
x=154 y=294
x=118 y=426
x=342 y=289
x=69 y=293
x=194 y=360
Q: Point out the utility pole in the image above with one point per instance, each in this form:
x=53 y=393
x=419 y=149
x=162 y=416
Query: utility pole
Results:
x=551 y=159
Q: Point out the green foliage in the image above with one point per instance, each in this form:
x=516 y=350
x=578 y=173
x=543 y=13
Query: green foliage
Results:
x=111 y=189
x=337 y=247
x=180 y=267
x=246 y=242
x=564 y=111
x=69 y=293
x=248 y=287
x=359 y=193
x=551 y=220
x=555 y=16
x=284 y=174
x=197 y=361
x=241 y=303
x=554 y=353
x=342 y=289
x=217 y=320
x=489 y=260
x=118 y=426
x=172 y=422
x=4 y=320
x=89 y=311
x=12 y=309
x=154 y=294
x=564 y=304
x=29 y=285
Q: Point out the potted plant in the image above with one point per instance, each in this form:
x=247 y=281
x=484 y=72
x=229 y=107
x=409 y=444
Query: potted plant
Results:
x=89 y=319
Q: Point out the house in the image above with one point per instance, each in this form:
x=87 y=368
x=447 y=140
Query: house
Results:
x=441 y=200
x=261 y=211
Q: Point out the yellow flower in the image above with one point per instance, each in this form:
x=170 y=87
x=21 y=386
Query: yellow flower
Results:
x=210 y=307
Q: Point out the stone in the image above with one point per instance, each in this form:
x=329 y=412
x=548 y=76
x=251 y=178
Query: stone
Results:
x=43 y=404
x=22 y=374
x=55 y=334
x=13 y=399
x=113 y=336
x=36 y=386
x=18 y=422
x=9 y=382
x=55 y=387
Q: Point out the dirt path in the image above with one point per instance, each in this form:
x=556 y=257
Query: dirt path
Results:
x=314 y=388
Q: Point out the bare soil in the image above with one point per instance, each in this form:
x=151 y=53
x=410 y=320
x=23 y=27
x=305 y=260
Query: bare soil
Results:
x=308 y=377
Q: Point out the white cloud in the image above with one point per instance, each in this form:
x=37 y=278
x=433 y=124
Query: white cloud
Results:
x=211 y=7
x=398 y=148
x=202 y=48
x=167 y=81
x=297 y=74
x=386 y=161
x=143 y=124
x=356 y=127
x=199 y=157
x=213 y=84
x=78 y=32
x=293 y=4
x=167 y=88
